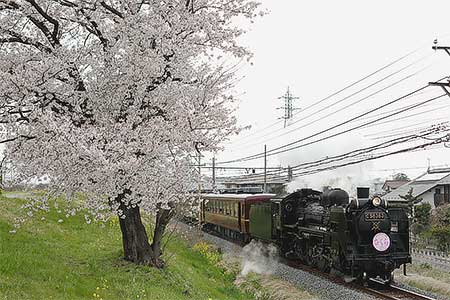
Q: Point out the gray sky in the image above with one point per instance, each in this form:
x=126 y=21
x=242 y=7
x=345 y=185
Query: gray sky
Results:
x=318 y=47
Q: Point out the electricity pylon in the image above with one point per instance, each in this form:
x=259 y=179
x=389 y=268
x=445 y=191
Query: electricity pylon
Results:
x=288 y=106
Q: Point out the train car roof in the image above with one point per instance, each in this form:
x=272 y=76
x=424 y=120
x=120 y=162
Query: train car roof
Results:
x=238 y=196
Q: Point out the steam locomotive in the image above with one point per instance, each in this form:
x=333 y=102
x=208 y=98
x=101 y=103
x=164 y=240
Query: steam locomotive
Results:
x=362 y=238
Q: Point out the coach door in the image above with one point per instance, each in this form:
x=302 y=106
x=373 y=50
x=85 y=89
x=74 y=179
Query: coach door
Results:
x=240 y=219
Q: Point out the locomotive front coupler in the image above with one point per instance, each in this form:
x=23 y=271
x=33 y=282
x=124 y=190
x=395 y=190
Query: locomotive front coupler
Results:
x=387 y=265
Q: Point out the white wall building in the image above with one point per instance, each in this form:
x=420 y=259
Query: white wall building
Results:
x=433 y=187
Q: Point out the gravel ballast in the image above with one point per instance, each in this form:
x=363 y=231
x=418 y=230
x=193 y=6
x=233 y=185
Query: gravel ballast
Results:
x=316 y=285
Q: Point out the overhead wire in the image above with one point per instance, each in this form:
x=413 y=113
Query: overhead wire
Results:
x=341 y=90
x=278 y=150
x=340 y=101
x=404 y=150
x=321 y=118
x=355 y=153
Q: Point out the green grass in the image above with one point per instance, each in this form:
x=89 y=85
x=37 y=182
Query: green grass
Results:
x=73 y=260
x=425 y=277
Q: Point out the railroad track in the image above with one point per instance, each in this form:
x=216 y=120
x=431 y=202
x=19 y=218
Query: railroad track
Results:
x=375 y=288
x=393 y=292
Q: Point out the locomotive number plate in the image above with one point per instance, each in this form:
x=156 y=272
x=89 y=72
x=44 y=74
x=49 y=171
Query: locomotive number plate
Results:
x=374 y=215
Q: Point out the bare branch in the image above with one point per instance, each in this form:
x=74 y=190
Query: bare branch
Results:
x=55 y=23
x=16 y=37
x=111 y=9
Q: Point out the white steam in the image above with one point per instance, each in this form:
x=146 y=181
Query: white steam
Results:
x=346 y=178
x=259 y=258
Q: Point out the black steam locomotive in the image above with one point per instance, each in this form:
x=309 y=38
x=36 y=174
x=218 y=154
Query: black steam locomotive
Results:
x=363 y=238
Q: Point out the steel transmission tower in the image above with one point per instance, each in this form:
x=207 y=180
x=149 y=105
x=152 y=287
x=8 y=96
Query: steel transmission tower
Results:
x=288 y=106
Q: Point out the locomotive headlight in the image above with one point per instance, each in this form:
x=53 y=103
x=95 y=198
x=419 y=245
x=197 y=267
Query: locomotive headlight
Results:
x=376 y=201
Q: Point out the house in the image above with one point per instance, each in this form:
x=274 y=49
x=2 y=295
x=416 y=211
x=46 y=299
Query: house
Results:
x=275 y=187
x=433 y=187
x=390 y=185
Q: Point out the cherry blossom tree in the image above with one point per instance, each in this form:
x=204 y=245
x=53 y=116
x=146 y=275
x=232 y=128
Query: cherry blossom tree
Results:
x=112 y=98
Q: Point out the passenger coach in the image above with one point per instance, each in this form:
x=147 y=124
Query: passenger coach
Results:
x=228 y=214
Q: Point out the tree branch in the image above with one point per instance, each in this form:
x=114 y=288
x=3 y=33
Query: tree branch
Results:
x=46 y=16
x=18 y=38
x=111 y=9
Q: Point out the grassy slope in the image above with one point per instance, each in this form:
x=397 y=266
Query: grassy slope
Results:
x=73 y=260
x=424 y=277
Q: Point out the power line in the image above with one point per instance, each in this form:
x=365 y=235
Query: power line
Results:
x=342 y=89
x=275 y=150
x=361 y=151
x=353 y=128
x=404 y=117
x=336 y=111
x=399 y=128
x=409 y=149
x=380 y=137
x=341 y=100
x=437 y=141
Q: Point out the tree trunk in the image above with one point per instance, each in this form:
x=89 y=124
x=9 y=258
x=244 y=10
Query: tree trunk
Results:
x=163 y=217
x=136 y=246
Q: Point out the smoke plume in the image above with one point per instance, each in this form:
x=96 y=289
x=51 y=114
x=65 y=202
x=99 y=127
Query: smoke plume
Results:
x=259 y=258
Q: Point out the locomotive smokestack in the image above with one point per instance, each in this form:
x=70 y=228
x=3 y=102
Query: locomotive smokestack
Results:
x=362 y=192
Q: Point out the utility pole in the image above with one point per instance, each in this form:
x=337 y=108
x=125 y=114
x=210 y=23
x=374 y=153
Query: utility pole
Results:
x=444 y=85
x=290 y=174
x=199 y=157
x=265 y=169
x=214 y=173
x=288 y=106
x=436 y=47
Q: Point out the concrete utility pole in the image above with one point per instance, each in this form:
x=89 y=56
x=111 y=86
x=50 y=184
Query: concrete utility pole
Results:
x=199 y=157
x=290 y=174
x=214 y=173
x=445 y=48
x=265 y=169
x=288 y=106
x=444 y=85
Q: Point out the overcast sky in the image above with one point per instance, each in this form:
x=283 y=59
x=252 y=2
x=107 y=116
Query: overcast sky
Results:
x=319 y=47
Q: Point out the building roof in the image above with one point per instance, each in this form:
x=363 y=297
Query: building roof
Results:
x=280 y=182
x=421 y=184
x=393 y=184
